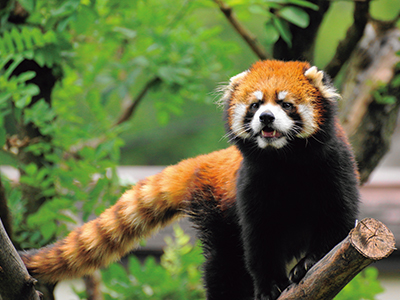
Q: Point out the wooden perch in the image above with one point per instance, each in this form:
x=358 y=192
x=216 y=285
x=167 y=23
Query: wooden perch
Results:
x=369 y=241
x=15 y=281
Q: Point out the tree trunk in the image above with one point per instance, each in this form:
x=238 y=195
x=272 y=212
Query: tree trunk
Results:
x=368 y=117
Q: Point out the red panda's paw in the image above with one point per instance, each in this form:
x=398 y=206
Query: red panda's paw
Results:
x=301 y=268
x=274 y=291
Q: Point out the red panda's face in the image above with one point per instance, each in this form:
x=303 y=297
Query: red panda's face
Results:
x=275 y=102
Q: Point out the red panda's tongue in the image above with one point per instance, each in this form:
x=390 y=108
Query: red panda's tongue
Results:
x=269 y=133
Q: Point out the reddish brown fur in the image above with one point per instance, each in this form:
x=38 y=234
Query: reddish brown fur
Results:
x=152 y=203
x=275 y=76
x=165 y=197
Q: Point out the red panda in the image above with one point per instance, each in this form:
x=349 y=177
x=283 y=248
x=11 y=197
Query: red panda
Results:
x=287 y=188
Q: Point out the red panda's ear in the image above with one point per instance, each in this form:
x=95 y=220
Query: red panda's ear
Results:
x=228 y=89
x=321 y=81
x=235 y=80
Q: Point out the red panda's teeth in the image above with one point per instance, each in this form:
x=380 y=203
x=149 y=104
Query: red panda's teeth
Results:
x=269 y=134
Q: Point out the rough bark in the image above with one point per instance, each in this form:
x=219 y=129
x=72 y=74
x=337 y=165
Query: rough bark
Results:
x=369 y=241
x=353 y=36
x=15 y=281
x=369 y=122
x=4 y=211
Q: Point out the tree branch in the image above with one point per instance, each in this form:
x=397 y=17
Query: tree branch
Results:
x=369 y=241
x=353 y=36
x=242 y=31
x=127 y=114
x=368 y=122
x=15 y=282
x=93 y=286
x=4 y=211
x=303 y=39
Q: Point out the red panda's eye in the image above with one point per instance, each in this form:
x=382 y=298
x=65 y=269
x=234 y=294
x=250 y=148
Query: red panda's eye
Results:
x=287 y=105
x=254 y=106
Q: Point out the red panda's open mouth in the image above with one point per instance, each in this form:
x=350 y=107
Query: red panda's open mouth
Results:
x=270 y=133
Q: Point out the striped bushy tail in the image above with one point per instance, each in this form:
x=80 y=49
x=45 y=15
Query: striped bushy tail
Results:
x=151 y=204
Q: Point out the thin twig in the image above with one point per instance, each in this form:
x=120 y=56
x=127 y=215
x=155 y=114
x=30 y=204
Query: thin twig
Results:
x=353 y=36
x=127 y=114
x=243 y=32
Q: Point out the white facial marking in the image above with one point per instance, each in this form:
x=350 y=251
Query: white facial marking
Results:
x=282 y=121
x=282 y=95
x=259 y=95
x=238 y=121
x=278 y=143
x=282 y=124
x=307 y=115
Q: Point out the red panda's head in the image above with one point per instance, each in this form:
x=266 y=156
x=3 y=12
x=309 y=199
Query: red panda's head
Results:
x=275 y=102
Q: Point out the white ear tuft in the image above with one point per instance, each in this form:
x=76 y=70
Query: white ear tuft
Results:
x=228 y=89
x=236 y=79
x=316 y=78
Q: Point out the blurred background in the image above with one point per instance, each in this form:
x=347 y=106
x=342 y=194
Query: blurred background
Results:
x=98 y=94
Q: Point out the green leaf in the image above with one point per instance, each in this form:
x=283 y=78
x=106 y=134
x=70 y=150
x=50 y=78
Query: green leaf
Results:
x=8 y=42
x=28 y=5
x=3 y=134
x=295 y=15
x=396 y=81
x=30 y=89
x=26 y=76
x=85 y=18
x=278 y=1
x=17 y=37
x=17 y=59
x=31 y=169
x=127 y=32
x=48 y=230
x=66 y=8
x=40 y=58
x=304 y=4
x=258 y=10
x=4 y=96
x=271 y=33
x=26 y=34
x=37 y=37
x=23 y=101
x=283 y=29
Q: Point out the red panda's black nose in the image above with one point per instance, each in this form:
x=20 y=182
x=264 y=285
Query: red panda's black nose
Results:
x=267 y=117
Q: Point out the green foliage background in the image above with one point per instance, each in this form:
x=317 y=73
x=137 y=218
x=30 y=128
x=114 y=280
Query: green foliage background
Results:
x=103 y=53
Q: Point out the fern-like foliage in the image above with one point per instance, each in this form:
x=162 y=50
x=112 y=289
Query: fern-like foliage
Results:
x=16 y=45
x=27 y=42
x=27 y=38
